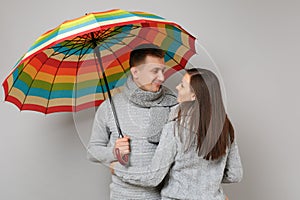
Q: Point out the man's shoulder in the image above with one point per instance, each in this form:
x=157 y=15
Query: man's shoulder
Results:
x=119 y=96
x=117 y=99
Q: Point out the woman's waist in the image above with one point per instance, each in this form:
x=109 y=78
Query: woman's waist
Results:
x=120 y=186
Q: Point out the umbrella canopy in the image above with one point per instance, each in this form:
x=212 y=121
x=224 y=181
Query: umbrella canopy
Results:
x=63 y=71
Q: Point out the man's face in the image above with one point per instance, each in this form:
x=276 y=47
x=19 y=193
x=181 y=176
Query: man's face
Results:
x=150 y=75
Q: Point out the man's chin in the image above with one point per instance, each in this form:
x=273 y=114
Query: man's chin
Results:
x=156 y=88
x=151 y=88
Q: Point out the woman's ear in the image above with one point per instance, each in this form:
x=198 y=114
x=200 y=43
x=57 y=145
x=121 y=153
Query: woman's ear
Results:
x=193 y=97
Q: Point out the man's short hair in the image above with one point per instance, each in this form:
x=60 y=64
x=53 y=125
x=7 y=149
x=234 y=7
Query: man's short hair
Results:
x=138 y=54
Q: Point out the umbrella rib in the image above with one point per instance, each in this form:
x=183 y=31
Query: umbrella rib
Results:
x=67 y=51
x=166 y=52
x=66 y=56
x=128 y=31
x=102 y=34
x=52 y=84
x=116 y=36
x=81 y=55
x=97 y=65
x=71 y=46
x=117 y=30
x=29 y=87
x=101 y=84
x=175 y=38
x=97 y=68
x=76 y=82
x=175 y=60
x=60 y=47
x=77 y=69
x=19 y=75
x=121 y=42
x=108 y=32
x=166 y=35
x=117 y=59
x=79 y=50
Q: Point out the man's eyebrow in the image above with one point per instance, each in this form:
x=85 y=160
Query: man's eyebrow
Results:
x=160 y=68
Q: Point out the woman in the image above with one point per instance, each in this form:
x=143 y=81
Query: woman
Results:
x=197 y=149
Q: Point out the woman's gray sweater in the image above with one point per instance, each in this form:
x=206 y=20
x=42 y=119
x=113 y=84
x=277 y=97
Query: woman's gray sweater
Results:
x=189 y=176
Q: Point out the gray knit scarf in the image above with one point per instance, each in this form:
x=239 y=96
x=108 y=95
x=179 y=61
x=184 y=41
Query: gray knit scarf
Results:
x=158 y=102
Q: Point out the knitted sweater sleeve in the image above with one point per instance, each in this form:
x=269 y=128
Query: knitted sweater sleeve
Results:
x=162 y=160
x=233 y=172
x=98 y=149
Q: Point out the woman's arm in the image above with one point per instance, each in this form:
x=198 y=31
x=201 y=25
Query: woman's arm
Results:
x=162 y=160
x=233 y=172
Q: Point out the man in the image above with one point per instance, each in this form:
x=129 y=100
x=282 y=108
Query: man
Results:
x=142 y=108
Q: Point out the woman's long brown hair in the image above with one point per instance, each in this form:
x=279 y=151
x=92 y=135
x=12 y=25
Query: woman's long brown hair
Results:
x=206 y=117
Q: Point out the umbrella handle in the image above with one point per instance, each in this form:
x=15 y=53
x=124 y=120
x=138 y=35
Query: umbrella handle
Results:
x=124 y=160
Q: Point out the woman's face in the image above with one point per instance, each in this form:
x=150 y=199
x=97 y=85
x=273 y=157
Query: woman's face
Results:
x=184 y=90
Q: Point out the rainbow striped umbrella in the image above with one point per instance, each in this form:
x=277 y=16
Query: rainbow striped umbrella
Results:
x=79 y=63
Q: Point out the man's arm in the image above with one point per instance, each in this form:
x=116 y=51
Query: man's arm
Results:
x=98 y=149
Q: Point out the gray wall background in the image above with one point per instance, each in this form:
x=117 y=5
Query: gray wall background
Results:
x=255 y=46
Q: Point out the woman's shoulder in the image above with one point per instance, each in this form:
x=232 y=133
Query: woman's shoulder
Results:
x=173 y=113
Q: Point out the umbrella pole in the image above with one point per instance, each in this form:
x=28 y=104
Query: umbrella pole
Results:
x=122 y=159
x=97 y=52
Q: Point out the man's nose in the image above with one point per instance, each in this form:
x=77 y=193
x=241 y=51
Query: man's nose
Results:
x=161 y=76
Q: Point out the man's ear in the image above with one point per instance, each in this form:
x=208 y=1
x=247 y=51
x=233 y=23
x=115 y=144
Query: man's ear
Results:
x=134 y=72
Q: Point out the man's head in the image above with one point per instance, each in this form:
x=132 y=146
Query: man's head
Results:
x=147 y=67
